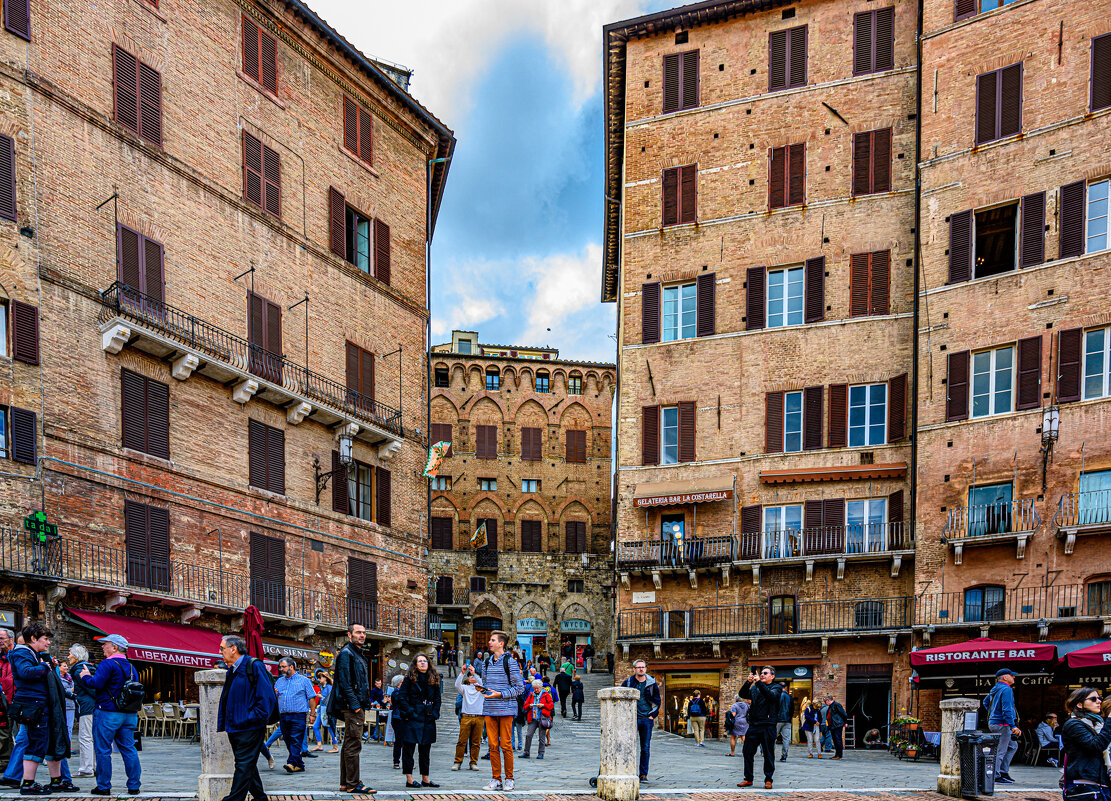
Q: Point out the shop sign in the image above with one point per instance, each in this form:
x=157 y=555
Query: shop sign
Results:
x=689 y=497
x=644 y=597
x=176 y=658
x=36 y=523
x=449 y=626
x=532 y=624
x=275 y=649
x=574 y=625
x=986 y=655
x=8 y=618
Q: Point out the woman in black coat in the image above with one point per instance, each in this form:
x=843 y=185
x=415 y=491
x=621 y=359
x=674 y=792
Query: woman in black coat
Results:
x=417 y=701
x=1086 y=735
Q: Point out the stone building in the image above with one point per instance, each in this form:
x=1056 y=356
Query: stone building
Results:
x=530 y=459
x=212 y=256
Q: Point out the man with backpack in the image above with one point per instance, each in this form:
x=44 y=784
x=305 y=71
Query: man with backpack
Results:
x=501 y=676
x=119 y=696
x=247 y=706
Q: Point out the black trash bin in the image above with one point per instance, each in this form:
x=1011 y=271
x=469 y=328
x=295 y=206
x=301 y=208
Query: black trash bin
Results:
x=977 y=754
x=988 y=747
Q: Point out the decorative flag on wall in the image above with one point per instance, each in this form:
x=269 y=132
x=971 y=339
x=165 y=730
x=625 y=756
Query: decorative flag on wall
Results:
x=478 y=539
x=436 y=456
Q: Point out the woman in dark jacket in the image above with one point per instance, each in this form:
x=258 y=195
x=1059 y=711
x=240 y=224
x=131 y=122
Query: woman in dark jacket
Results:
x=1085 y=736
x=417 y=701
x=39 y=703
x=578 y=695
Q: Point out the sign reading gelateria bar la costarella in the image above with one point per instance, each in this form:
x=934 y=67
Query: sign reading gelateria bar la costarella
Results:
x=690 y=497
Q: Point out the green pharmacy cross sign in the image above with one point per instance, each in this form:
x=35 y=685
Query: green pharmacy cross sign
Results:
x=36 y=523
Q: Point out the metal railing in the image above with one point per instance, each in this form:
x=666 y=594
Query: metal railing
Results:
x=449 y=596
x=121 y=300
x=1017 y=604
x=1003 y=517
x=1079 y=509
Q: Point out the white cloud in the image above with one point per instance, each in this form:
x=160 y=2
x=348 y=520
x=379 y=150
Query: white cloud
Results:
x=565 y=284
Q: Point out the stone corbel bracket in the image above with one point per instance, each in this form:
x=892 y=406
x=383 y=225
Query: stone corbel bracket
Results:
x=625 y=581
x=725 y=575
x=896 y=565
x=755 y=574
x=388 y=449
x=114 y=601
x=296 y=413
x=694 y=579
x=244 y=391
x=113 y=338
x=656 y=580
x=184 y=366
x=1020 y=546
x=190 y=613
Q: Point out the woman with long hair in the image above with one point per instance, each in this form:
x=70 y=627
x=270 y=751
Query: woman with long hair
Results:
x=418 y=703
x=322 y=721
x=1085 y=737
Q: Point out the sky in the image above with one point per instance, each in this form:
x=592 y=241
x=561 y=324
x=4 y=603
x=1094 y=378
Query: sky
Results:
x=517 y=254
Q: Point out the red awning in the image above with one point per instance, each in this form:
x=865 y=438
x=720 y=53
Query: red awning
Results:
x=1098 y=655
x=150 y=641
x=983 y=653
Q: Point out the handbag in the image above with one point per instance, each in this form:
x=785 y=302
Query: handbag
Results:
x=26 y=714
x=545 y=720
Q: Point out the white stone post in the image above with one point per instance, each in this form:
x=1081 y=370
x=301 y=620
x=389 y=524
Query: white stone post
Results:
x=952 y=722
x=618 y=779
x=217 y=763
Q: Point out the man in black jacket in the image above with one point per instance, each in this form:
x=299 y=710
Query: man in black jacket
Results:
x=350 y=698
x=763 y=714
x=837 y=719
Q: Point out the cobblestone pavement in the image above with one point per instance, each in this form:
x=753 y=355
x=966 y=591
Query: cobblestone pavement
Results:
x=679 y=769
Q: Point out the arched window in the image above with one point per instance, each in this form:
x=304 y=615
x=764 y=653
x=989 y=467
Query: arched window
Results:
x=493 y=379
x=542 y=381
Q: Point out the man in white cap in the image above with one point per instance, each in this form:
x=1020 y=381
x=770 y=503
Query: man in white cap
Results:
x=110 y=723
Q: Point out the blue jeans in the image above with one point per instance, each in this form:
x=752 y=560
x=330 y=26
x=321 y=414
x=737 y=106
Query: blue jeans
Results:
x=273 y=738
x=14 y=771
x=319 y=726
x=644 y=731
x=294 y=732
x=111 y=727
x=517 y=735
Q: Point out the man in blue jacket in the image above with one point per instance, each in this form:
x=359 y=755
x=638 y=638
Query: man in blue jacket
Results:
x=648 y=709
x=1003 y=720
x=246 y=705
x=110 y=726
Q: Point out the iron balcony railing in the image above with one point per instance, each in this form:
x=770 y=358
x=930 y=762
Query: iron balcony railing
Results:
x=1013 y=605
x=1002 y=517
x=1079 y=509
x=668 y=553
x=64 y=560
x=121 y=300
x=449 y=596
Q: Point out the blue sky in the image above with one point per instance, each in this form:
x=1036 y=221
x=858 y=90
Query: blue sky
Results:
x=517 y=254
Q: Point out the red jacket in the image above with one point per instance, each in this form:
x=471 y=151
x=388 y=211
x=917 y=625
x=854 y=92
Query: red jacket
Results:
x=7 y=682
x=546 y=704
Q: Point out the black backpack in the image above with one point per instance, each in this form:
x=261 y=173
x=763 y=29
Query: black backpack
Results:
x=252 y=677
x=130 y=697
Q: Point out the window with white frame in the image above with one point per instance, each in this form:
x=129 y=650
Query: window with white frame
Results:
x=867 y=415
x=792 y=422
x=1097 y=363
x=866 y=525
x=680 y=312
x=441 y=483
x=530 y=485
x=785 y=297
x=488 y=485
x=782 y=532
x=992 y=381
x=669 y=435
x=1097 y=216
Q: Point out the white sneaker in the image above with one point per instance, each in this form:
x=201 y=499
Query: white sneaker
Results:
x=492 y=786
x=457 y=766
x=472 y=767
x=508 y=786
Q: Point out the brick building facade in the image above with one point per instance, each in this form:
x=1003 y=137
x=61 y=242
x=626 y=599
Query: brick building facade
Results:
x=530 y=459
x=215 y=251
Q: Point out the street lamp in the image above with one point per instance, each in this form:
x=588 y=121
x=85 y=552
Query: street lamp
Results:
x=346 y=442
x=1051 y=426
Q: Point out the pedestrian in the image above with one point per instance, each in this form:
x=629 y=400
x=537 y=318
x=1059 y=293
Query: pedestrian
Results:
x=7 y=689
x=810 y=714
x=501 y=675
x=471 y=719
x=563 y=685
x=419 y=701
x=78 y=659
x=648 y=709
x=519 y=720
x=452 y=663
x=296 y=699
x=350 y=699
x=323 y=720
x=115 y=717
x=783 y=727
x=539 y=710
x=696 y=718
x=247 y=706
x=67 y=690
x=823 y=728
x=394 y=724
x=739 y=726
x=577 y=697
x=377 y=698
x=1085 y=736
x=555 y=697
x=588 y=658
x=837 y=718
x=763 y=715
x=1003 y=720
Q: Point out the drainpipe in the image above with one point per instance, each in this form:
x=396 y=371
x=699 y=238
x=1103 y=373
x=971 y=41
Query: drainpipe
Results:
x=917 y=283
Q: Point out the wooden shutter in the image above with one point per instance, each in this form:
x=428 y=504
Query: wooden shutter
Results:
x=136 y=539
x=576 y=446
x=884 y=51
x=1032 y=234
x=670 y=185
x=1101 y=72
x=687 y=413
x=1029 y=394
x=158 y=418
x=815 y=289
x=1010 y=100
x=337 y=222
x=486 y=442
x=153 y=270
x=796 y=174
x=859 y=284
x=530 y=444
x=272 y=181
x=812 y=515
x=863 y=36
x=366 y=137
x=871 y=162
x=796 y=67
x=491 y=534
x=25 y=332
x=773 y=422
x=133 y=410
x=1068 y=365
x=480 y=442
x=268 y=61
x=275 y=460
x=575 y=540
x=341 y=501
x=838 y=412
x=362 y=592
x=7 y=178
x=150 y=104
x=895 y=507
x=650 y=312
x=862 y=163
x=897 y=408
x=383 y=486
x=125 y=82
x=754 y=298
x=962 y=9
x=956 y=382
x=272 y=339
x=833 y=514
x=17 y=18
x=351 y=364
x=24 y=436
x=751 y=519
x=987 y=90
x=158 y=548
x=252 y=169
x=650 y=435
x=366 y=376
x=777 y=60
x=257 y=445
x=688 y=193
x=350 y=125
x=690 y=79
x=706 y=284
x=1071 y=220
x=382 y=251
x=879 y=279
x=881 y=160
x=777 y=178
x=130 y=258
x=812 y=418
x=530 y=536
x=960 y=247
x=250 y=49
x=671 y=83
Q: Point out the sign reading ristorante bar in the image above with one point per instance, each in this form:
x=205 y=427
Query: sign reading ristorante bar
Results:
x=689 y=497
x=144 y=654
x=981 y=656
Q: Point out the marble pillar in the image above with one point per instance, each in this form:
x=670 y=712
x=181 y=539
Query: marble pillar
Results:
x=952 y=722
x=620 y=750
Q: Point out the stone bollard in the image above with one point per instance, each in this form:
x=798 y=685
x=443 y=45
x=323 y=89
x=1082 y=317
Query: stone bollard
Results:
x=618 y=779
x=217 y=763
x=952 y=722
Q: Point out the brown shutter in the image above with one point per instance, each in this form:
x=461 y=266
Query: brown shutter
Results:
x=1032 y=247
x=530 y=444
x=153 y=271
x=688 y=193
x=1071 y=225
x=812 y=515
x=897 y=408
x=366 y=376
x=1029 y=394
x=275 y=460
x=7 y=178
x=576 y=446
x=24 y=436
x=705 y=289
x=273 y=341
x=158 y=548
x=1010 y=100
x=956 y=382
x=25 y=332
x=351 y=361
x=252 y=169
x=366 y=137
x=150 y=104
x=777 y=60
x=129 y=270
x=133 y=410
x=337 y=222
x=382 y=251
x=796 y=174
x=863 y=23
x=384 y=491
x=350 y=125
x=885 y=39
x=650 y=435
x=833 y=514
x=480 y=442
x=773 y=422
x=125 y=74
x=862 y=163
x=859 y=289
x=777 y=178
x=256 y=320
x=158 y=419
x=268 y=62
x=751 y=519
x=881 y=160
x=136 y=540
x=341 y=501
x=670 y=185
x=986 y=106
x=838 y=411
x=492 y=442
x=272 y=178
x=576 y=537
x=879 y=279
x=671 y=83
x=754 y=298
x=690 y=79
x=815 y=289
x=650 y=312
x=895 y=507
x=960 y=247
x=963 y=9
x=250 y=48
x=17 y=18
x=687 y=412
x=812 y=418
x=797 y=66
x=1068 y=365
x=257 y=444
x=1101 y=72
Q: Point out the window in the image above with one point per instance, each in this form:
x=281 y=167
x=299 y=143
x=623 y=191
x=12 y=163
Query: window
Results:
x=442 y=432
x=478 y=584
x=576 y=447
x=7 y=176
x=140 y=267
x=1101 y=72
x=867 y=415
x=358 y=240
x=989 y=509
x=992 y=381
x=23 y=436
x=3 y=328
x=687 y=310
x=968 y=8
x=441 y=376
x=785 y=297
x=486 y=442
x=357 y=130
x=360 y=376
x=4 y=451
x=575 y=536
x=491 y=532
x=680 y=195
x=983 y=604
x=995 y=240
x=17 y=18
x=531 y=538
x=266 y=457
x=782 y=532
x=441 y=533
x=442 y=483
x=792 y=422
x=531 y=444
x=530 y=485
x=316 y=545
x=360 y=491
x=869 y=277
x=680 y=81
x=575 y=585
x=145 y=418
x=787 y=58
x=147 y=542
x=137 y=90
x=262 y=175
x=1099 y=598
x=868 y=615
x=787 y=176
x=260 y=62
x=575 y=385
x=986 y=242
x=1097 y=217
x=781 y=615
x=493 y=379
x=871 y=162
x=1094 y=500
x=465 y=346
x=680 y=312
x=873 y=41
x=669 y=435
x=998 y=104
x=268 y=574
x=866 y=525
x=445 y=590
x=542 y=382
x=369 y=491
x=488 y=485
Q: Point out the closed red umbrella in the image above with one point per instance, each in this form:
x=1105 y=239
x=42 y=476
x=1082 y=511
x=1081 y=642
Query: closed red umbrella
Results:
x=252 y=631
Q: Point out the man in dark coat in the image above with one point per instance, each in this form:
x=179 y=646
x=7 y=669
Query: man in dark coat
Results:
x=350 y=698
x=763 y=716
x=837 y=719
x=247 y=703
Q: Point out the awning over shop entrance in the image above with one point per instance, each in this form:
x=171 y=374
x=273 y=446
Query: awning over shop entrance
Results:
x=675 y=493
x=1097 y=655
x=983 y=655
x=277 y=647
x=151 y=641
